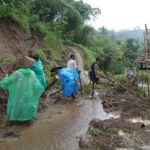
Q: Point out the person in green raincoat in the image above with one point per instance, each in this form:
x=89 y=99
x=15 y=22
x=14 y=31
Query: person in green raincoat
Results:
x=37 y=67
x=24 y=91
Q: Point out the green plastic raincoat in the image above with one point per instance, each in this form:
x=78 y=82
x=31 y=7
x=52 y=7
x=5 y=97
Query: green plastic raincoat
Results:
x=24 y=92
x=37 y=67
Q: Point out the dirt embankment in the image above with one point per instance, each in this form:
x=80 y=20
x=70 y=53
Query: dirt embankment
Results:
x=14 y=40
x=15 y=43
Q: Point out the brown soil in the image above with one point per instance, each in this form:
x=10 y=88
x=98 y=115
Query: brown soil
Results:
x=106 y=133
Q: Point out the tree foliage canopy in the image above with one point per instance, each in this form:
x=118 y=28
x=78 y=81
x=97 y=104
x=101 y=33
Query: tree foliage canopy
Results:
x=65 y=20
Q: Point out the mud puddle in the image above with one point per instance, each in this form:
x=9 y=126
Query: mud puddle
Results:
x=59 y=128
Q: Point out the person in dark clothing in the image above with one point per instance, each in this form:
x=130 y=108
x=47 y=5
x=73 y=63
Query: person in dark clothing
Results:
x=93 y=71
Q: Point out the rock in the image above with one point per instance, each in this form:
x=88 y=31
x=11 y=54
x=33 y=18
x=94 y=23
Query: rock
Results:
x=105 y=105
x=44 y=95
x=104 y=93
x=110 y=105
x=85 y=141
x=39 y=108
x=11 y=134
x=123 y=100
x=94 y=121
x=116 y=104
x=142 y=125
x=108 y=95
x=44 y=105
x=103 y=102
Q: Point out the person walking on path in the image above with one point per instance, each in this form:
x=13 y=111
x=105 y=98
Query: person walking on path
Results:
x=94 y=71
x=68 y=78
x=72 y=63
x=24 y=92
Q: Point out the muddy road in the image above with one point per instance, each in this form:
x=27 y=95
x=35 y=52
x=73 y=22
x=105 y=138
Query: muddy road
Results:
x=59 y=128
x=122 y=123
x=115 y=120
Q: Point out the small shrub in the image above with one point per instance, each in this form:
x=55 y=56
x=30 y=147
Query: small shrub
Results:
x=141 y=92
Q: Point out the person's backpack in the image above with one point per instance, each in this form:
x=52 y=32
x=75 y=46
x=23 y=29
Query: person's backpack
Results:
x=89 y=74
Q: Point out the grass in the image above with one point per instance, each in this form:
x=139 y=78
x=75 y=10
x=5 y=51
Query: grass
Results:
x=141 y=92
x=95 y=144
x=56 y=54
x=142 y=77
x=41 y=53
x=88 y=56
x=4 y=59
x=96 y=130
x=86 y=89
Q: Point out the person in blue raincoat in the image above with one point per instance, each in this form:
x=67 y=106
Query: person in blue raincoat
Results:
x=68 y=78
x=24 y=91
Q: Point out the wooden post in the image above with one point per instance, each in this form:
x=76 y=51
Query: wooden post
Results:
x=134 y=72
x=125 y=72
x=147 y=77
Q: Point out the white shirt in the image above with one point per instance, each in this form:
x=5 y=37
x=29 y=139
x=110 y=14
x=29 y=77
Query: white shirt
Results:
x=72 y=64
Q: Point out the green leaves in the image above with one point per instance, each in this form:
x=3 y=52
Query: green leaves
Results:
x=96 y=130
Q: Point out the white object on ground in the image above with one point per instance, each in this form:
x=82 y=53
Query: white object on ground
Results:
x=95 y=94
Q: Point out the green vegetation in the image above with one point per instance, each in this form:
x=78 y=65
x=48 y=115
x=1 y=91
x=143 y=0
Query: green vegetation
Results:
x=142 y=76
x=141 y=92
x=64 y=22
x=4 y=59
x=96 y=130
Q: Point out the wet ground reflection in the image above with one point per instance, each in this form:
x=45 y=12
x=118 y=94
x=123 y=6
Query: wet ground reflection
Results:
x=61 y=132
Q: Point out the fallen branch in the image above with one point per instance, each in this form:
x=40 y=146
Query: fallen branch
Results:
x=132 y=92
x=107 y=79
x=55 y=92
x=52 y=82
x=127 y=89
x=2 y=70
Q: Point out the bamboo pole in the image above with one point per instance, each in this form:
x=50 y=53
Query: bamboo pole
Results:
x=147 y=77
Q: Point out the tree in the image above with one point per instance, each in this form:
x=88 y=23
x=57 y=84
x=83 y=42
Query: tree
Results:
x=103 y=30
x=84 y=36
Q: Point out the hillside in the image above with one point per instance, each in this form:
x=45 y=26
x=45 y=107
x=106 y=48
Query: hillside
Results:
x=126 y=34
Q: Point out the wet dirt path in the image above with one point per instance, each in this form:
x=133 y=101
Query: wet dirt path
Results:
x=60 y=131
x=84 y=73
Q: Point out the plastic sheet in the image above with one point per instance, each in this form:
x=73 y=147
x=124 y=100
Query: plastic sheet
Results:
x=67 y=77
x=24 y=92
x=37 y=67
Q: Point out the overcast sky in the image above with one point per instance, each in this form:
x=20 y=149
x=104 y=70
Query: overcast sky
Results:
x=122 y=14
